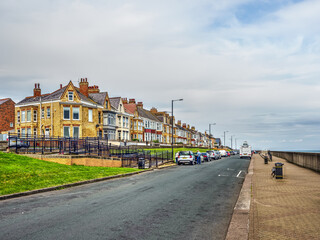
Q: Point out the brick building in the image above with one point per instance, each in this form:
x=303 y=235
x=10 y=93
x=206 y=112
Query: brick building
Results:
x=6 y=115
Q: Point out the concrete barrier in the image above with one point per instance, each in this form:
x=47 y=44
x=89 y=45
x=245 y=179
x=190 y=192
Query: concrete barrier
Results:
x=3 y=145
x=307 y=160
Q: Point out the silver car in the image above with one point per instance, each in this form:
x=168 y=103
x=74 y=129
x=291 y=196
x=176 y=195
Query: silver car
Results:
x=186 y=157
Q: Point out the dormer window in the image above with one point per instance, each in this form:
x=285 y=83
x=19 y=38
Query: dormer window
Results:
x=70 y=96
x=106 y=103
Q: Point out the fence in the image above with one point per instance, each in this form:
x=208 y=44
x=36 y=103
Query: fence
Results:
x=97 y=147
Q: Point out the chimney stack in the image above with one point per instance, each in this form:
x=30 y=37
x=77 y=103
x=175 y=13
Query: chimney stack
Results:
x=84 y=86
x=153 y=110
x=179 y=122
x=132 y=100
x=93 y=89
x=37 y=90
x=60 y=86
x=124 y=100
x=184 y=125
x=140 y=104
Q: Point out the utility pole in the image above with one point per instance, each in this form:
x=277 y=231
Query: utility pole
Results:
x=172 y=123
x=224 y=138
x=210 y=133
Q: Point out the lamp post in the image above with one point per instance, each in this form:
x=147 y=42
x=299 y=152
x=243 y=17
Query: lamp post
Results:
x=176 y=100
x=224 y=138
x=236 y=141
x=210 y=133
x=231 y=140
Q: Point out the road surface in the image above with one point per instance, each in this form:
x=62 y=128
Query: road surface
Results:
x=181 y=202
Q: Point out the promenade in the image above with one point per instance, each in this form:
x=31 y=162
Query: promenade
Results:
x=286 y=208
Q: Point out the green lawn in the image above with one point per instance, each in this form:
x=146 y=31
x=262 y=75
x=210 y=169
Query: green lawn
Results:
x=21 y=173
x=175 y=150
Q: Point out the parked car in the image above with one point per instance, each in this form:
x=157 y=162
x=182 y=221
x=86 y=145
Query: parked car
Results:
x=217 y=153
x=186 y=157
x=228 y=154
x=206 y=157
x=212 y=155
x=223 y=153
x=15 y=142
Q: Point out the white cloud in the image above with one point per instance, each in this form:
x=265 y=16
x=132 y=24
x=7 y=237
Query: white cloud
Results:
x=227 y=71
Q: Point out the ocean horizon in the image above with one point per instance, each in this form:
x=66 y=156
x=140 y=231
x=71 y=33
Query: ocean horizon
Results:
x=306 y=151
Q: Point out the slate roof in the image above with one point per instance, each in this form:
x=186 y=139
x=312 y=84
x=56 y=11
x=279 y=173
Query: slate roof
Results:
x=147 y=114
x=56 y=95
x=3 y=100
x=115 y=101
x=98 y=97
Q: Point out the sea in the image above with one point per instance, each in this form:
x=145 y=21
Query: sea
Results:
x=306 y=151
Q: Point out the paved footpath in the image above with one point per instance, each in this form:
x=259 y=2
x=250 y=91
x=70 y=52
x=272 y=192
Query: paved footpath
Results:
x=286 y=208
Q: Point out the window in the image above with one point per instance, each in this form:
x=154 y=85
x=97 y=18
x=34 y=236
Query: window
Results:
x=76 y=132
x=23 y=116
x=35 y=115
x=48 y=112
x=23 y=132
x=119 y=121
x=28 y=132
x=106 y=103
x=111 y=119
x=18 y=117
x=11 y=124
x=119 y=135
x=66 y=113
x=99 y=116
x=90 y=115
x=34 y=132
x=123 y=121
x=75 y=112
x=42 y=113
x=66 y=131
x=70 y=96
x=29 y=116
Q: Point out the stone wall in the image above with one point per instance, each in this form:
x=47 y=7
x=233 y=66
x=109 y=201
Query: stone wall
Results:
x=3 y=145
x=307 y=160
x=79 y=160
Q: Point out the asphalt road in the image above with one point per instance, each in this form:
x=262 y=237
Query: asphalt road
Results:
x=181 y=202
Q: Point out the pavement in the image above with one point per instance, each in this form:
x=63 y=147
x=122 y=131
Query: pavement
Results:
x=286 y=208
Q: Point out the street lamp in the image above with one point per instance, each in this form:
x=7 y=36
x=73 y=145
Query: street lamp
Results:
x=224 y=138
x=236 y=141
x=210 y=132
x=231 y=141
x=176 y=100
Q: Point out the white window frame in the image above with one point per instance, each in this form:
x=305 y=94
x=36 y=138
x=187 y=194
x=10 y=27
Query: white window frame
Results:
x=64 y=127
x=64 y=109
x=74 y=127
x=48 y=112
x=90 y=115
x=70 y=96
x=78 y=109
x=23 y=117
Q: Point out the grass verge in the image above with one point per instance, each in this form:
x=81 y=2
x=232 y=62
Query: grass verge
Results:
x=21 y=173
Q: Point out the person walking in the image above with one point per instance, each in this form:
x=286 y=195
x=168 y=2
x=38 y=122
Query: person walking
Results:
x=177 y=155
x=198 y=157
x=270 y=156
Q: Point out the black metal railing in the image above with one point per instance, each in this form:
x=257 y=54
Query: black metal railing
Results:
x=96 y=147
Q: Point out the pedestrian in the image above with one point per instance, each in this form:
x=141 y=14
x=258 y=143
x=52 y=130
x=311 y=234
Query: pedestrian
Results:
x=177 y=156
x=198 y=157
x=270 y=156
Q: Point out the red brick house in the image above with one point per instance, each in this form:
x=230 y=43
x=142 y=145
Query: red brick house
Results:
x=6 y=114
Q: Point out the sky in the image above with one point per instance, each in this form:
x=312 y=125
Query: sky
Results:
x=250 y=66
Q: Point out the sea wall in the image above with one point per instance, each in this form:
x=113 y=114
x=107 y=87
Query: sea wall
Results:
x=307 y=160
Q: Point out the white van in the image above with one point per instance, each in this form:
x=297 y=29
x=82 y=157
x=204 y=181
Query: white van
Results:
x=245 y=150
x=223 y=153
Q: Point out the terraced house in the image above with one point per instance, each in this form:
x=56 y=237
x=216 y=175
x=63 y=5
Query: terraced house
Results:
x=166 y=126
x=66 y=112
x=136 y=128
x=123 y=121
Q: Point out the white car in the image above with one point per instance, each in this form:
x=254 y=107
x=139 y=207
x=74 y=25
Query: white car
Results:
x=223 y=153
x=186 y=157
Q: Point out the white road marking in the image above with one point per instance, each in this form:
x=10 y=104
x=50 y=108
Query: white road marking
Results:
x=239 y=174
x=229 y=169
x=221 y=175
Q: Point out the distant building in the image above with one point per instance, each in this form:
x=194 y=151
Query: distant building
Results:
x=7 y=122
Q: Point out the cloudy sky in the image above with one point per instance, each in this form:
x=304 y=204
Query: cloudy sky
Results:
x=250 y=66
